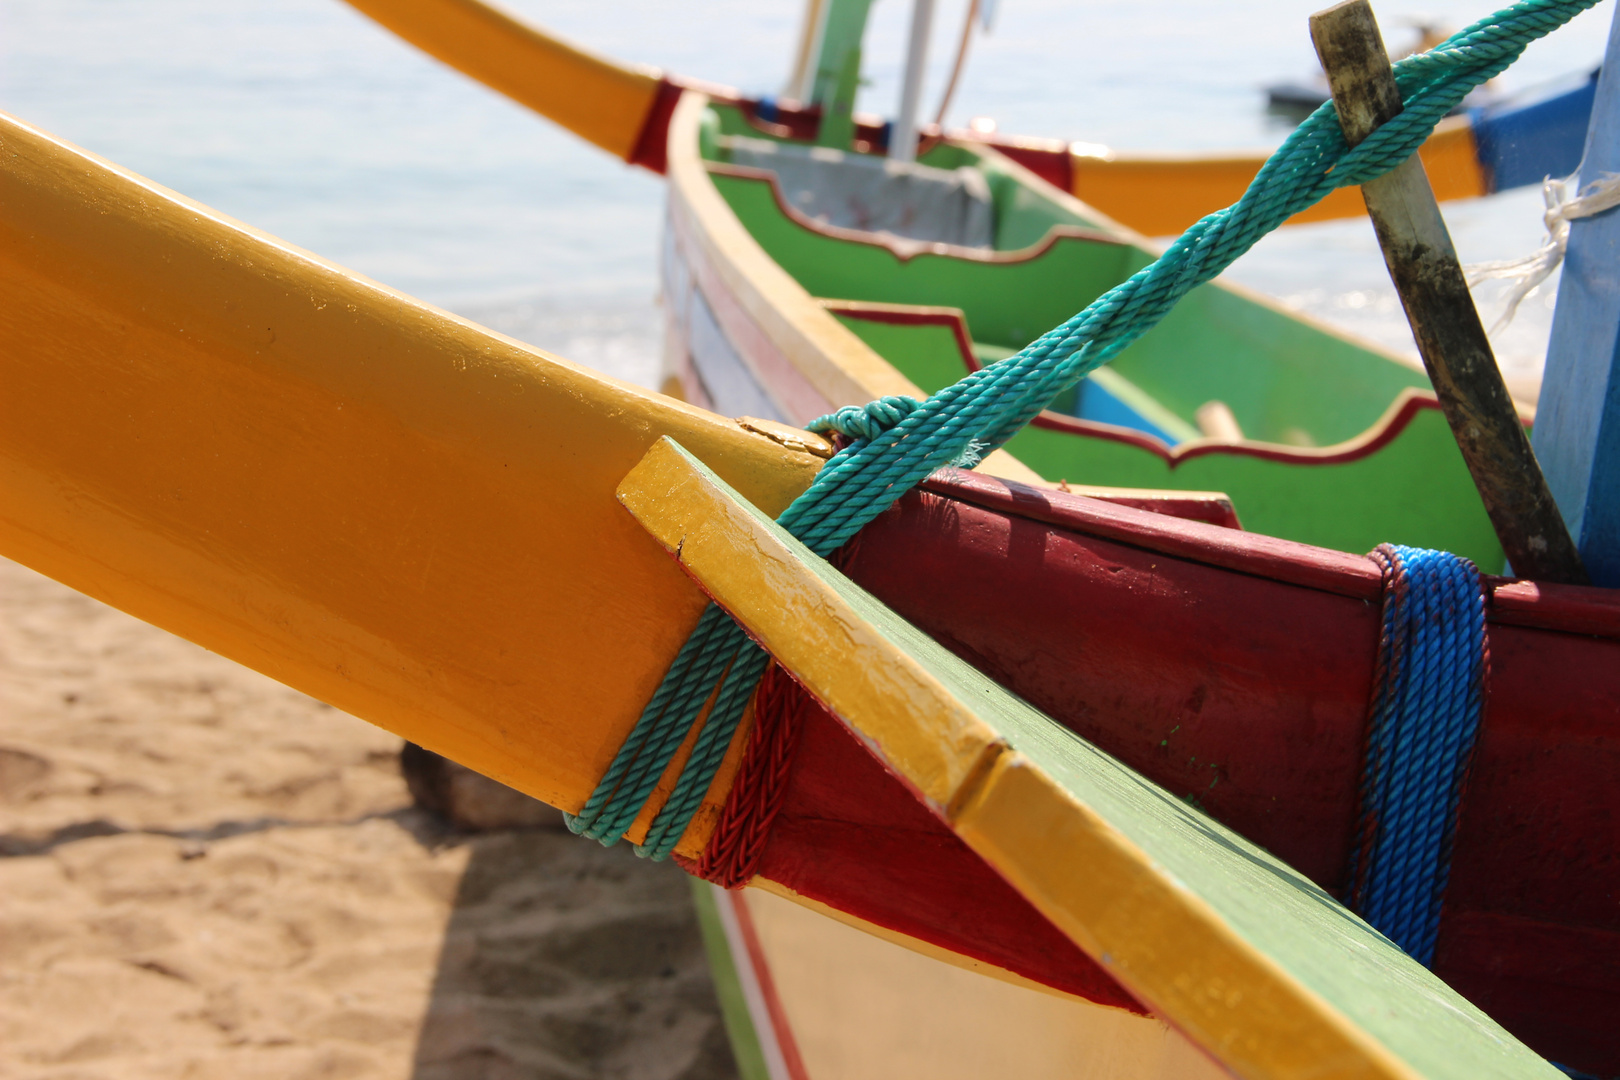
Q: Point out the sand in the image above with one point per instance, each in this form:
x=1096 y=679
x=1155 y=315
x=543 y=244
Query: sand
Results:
x=206 y=874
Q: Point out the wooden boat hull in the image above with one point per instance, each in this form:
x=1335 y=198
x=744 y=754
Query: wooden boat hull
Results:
x=819 y=998
x=1241 y=684
x=770 y=315
x=263 y=423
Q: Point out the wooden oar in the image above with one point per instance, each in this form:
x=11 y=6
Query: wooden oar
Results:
x=1423 y=264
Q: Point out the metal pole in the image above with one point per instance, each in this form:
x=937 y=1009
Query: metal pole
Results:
x=903 y=139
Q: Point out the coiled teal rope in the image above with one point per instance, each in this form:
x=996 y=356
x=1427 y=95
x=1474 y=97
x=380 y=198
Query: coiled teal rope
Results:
x=897 y=442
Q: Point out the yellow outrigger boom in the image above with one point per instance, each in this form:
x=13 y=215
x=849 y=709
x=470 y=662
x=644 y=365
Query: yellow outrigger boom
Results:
x=420 y=522
x=604 y=102
x=373 y=501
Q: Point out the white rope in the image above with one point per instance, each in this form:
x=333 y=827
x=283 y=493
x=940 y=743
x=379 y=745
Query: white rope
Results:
x=1530 y=271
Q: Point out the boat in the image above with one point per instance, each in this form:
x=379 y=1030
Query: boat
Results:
x=1314 y=435
x=625 y=109
x=424 y=524
x=774 y=313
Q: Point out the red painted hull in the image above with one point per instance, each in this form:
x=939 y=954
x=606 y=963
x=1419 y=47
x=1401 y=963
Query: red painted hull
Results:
x=1232 y=669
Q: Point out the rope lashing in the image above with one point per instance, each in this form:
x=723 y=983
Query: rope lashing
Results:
x=713 y=649
x=732 y=856
x=866 y=421
x=1423 y=717
x=968 y=419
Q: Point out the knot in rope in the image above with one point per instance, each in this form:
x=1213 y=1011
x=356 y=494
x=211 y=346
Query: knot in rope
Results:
x=866 y=422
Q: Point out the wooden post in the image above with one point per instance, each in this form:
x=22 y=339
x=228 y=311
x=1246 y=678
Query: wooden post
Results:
x=1450 y=337
x=1578 y=420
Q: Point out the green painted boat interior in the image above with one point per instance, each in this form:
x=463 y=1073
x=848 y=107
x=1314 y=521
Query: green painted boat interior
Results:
x=1286 y=381
x=1416 y=490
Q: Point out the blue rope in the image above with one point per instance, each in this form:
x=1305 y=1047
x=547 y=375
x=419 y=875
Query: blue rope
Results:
x=898 y=441
x=1421 y=727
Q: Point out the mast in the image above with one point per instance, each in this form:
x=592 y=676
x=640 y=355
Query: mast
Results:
x=903 y=139
x=835 y=69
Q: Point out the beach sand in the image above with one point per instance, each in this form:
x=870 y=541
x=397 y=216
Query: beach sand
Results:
x=206 y=874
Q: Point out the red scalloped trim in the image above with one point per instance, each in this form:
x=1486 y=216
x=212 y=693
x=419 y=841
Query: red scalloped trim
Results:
x=903 y=249
x=1408 y=404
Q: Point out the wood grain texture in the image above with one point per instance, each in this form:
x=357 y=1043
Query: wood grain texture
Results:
x=371 y=500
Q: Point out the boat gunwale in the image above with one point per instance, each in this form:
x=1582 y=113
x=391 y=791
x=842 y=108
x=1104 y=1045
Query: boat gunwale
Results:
x=1383 y=431
x=830 y=357
x=1105 y=229
x=1583 y=610
x=905 y=249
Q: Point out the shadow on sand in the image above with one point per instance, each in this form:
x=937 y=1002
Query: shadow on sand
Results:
x=564 y=959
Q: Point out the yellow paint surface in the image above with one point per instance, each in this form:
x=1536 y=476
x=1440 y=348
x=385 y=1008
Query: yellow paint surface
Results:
x=841 y=367
x=732 y=554
x=862 y=1008
x=1163 y=194
x=1114 y=902
x=907 y=942
x=383 y=505
x=600 y=100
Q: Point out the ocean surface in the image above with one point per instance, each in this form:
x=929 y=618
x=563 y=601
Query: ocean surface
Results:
x=303 y=118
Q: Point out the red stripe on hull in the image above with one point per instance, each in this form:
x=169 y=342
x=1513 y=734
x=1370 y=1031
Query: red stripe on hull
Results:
x=782 y=1031
x=775 y=374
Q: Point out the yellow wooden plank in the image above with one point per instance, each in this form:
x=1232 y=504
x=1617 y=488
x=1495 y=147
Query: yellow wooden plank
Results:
x=369 y=499
x=1253 y=962
x=602 y=101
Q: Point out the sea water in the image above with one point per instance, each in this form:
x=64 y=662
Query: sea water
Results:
x=303 y=118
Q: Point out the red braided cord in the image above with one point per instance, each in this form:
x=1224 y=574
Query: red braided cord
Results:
x=732 y=855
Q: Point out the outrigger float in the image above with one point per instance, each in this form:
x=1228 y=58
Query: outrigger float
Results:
x=1102 y=745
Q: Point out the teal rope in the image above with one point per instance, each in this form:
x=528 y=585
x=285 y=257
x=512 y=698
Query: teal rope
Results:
x=898 y=441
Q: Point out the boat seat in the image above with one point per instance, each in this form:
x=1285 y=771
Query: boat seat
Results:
x=873 y=194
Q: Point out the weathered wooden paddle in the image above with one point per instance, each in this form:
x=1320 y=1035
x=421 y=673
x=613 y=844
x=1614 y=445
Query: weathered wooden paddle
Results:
x=1450 y=338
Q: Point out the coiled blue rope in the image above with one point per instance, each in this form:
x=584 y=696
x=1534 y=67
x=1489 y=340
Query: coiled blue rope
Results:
x=1421 y=727
x=897 y=442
